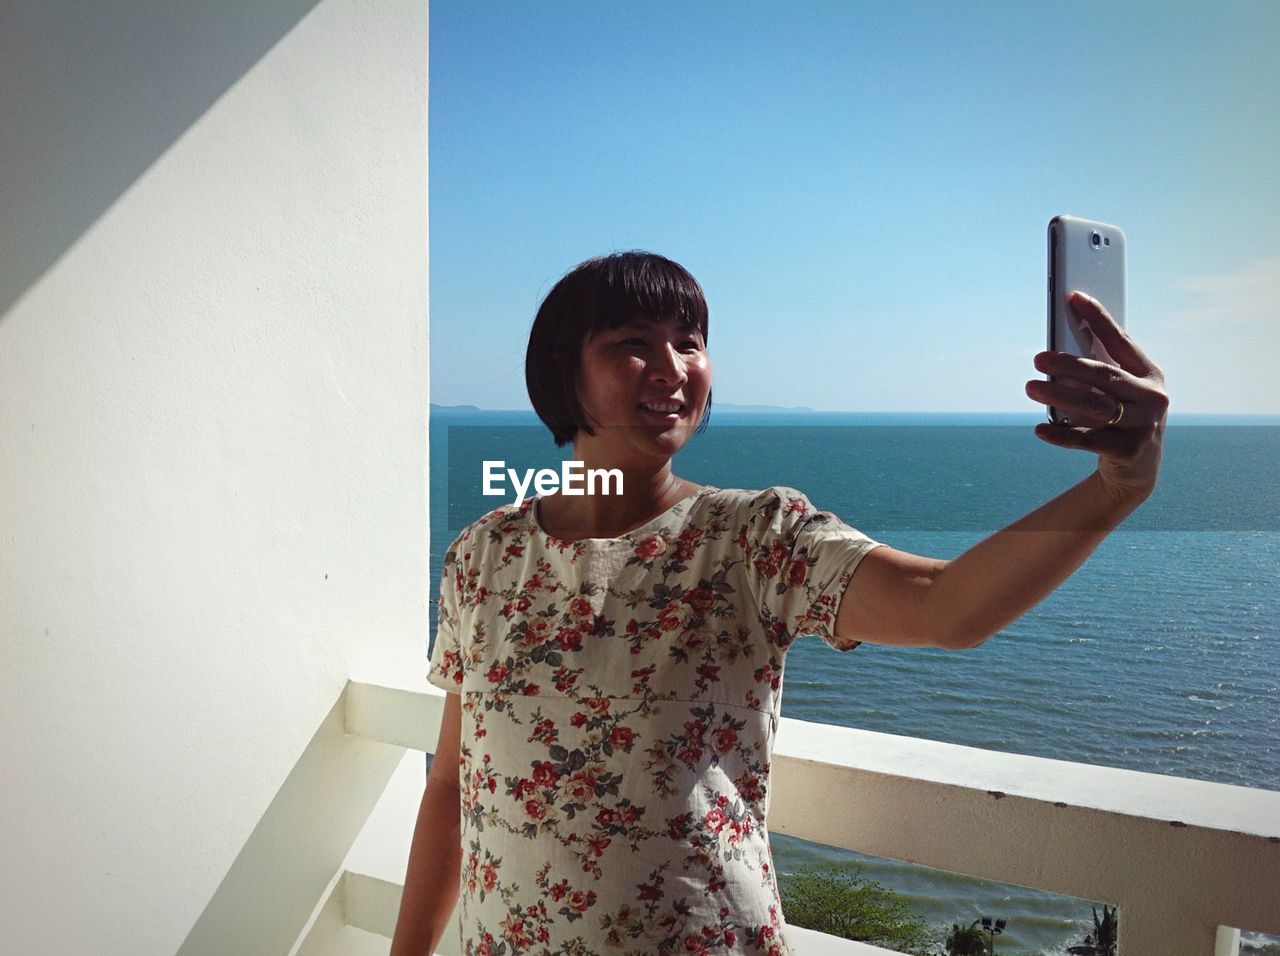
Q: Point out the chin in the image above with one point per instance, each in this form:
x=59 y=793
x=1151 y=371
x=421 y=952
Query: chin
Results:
x=662 y=446
x=674 y=439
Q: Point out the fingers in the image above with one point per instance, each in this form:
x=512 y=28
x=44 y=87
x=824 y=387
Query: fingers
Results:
x=1088 y=372
x=1114 y=339
x=1104 y=441
x=1092 y=391
x=1082 y=406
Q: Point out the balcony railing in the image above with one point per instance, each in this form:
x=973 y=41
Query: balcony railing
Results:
x=1185 y=861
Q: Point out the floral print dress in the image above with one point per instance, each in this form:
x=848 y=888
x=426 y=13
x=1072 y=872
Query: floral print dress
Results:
x=620 y=698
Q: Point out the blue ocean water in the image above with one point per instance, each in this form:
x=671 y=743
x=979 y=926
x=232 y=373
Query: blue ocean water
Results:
x=1161 y=653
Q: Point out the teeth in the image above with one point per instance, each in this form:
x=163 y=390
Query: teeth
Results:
x=662 y=407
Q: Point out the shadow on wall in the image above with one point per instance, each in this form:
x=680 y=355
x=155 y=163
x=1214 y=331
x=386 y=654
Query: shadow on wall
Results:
x=91 y=94
x=282 y=872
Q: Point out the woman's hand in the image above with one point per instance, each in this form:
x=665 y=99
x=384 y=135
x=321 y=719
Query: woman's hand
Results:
x=1124 y=424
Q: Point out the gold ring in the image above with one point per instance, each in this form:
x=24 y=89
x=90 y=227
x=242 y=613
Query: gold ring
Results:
x=1119 y=411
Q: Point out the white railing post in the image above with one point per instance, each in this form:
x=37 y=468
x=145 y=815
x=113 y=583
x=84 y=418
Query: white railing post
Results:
x=1228 y=942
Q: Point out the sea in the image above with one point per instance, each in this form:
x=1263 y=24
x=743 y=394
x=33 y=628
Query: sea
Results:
x=1161 y=653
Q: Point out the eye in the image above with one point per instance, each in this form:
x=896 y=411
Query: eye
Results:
x=690 y=345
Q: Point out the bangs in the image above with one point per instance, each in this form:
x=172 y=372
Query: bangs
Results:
x=649 y=285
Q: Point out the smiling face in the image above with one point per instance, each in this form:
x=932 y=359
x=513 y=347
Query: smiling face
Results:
x=647 y=384
x=598 y=339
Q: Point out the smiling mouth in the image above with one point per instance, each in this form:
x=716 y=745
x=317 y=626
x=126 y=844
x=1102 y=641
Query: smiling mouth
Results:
x=663 y=408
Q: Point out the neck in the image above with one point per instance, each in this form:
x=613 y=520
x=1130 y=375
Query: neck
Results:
x=648 y=489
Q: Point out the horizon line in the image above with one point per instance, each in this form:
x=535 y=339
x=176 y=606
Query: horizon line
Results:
x=806 y=410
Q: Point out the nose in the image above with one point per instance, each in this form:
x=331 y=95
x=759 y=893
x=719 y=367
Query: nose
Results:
x=668 y=366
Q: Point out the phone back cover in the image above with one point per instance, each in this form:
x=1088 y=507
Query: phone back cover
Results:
x=1099 y=271
x=1075 y=263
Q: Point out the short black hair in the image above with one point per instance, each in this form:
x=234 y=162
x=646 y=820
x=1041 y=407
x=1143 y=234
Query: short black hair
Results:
x=594 y=296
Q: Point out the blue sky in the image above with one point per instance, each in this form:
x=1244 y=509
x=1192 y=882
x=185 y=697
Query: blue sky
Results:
x=861 y=188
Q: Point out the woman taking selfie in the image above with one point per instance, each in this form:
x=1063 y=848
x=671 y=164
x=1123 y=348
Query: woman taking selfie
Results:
x=613 y=663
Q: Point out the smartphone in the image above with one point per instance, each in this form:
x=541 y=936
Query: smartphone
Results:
x=1089 y=257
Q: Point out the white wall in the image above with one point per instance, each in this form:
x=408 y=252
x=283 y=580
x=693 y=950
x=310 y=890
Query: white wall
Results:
x=213 y=416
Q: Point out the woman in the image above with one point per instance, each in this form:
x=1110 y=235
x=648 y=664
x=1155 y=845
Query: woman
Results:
x=613 y=664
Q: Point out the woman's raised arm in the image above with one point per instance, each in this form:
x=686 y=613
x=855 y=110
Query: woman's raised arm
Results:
x=900 y=598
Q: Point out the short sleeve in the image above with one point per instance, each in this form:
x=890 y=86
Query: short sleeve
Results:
x=799 y=562
x=445 y=670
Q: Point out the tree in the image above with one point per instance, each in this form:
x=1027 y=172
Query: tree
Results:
x=1102 y=941
x=968 y=940
x=841 y=902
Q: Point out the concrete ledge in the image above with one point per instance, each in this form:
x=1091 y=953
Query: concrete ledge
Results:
x=1181 y=858
x=810 y=943
x=1175 y=800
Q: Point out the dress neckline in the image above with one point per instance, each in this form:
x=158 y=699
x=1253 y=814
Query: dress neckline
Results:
x=643 y=531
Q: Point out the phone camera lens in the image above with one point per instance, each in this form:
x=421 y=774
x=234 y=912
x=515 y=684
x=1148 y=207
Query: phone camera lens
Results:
x=1097 y=239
